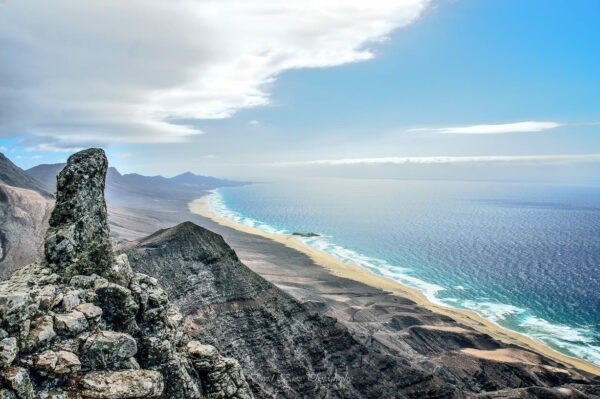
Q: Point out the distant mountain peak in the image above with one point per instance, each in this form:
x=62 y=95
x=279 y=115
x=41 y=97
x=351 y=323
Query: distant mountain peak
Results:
x=187 y=174
x=14 y=176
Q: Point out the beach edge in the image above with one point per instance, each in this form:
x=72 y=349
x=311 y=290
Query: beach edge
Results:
x=201 y=206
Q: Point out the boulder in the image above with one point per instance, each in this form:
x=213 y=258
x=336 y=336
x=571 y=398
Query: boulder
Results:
x=47 y=296
x=70 y=300
x=108 y=350
x=203 y=356
x=8 y=351
x=41 y=331
x=16 y=308
x=7 y=394
x=120 y=271
x=46 y=360
x=67 y=363
x=17 y=379
x=126 y=384
x=61 y=362
x=89 y=310
x=71 y=323
x=119 y=309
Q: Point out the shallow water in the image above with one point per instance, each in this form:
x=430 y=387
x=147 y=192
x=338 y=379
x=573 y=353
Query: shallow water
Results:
x=525 y=256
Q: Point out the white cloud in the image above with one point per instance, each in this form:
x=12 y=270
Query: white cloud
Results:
x=254 y=123
x=577 y=158
x=516 y=127
x=114 y=71
x=28 y=157
x=44 y=147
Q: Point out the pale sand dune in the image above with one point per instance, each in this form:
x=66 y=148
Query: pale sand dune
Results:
x=202 y=207
x=504 y=355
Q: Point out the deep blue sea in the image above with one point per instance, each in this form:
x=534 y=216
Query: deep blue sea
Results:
x=525 y=256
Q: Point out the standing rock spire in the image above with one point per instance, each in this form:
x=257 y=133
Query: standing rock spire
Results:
x=78 y=240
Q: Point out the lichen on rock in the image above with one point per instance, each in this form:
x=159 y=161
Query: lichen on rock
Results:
x=78 y=240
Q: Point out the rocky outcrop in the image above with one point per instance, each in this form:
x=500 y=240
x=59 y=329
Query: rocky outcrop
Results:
x=78 y=240
x=81 y=324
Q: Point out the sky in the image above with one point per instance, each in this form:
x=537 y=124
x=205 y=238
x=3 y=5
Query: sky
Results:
x=254 y=89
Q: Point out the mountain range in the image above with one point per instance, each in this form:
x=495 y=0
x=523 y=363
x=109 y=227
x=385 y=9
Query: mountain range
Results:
x=139 y=191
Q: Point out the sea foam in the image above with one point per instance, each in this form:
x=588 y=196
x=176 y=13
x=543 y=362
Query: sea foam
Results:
x=573 y=341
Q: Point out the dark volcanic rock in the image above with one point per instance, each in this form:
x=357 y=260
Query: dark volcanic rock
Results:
x=286 y=349
x=78 y=239
x=305 y=234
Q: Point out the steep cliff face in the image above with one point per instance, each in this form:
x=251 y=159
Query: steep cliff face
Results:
x=286 y=349
x=25 y=207
x=12 y=175
x=81 y=324
x=289 y=351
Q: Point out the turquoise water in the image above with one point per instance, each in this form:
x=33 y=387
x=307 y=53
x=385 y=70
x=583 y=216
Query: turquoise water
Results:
x=525 y=256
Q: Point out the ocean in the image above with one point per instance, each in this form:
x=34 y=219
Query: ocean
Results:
x=525 y=256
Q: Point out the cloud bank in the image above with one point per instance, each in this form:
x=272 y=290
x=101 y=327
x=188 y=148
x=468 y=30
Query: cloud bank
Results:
x=516 y=127
x=76 y=72
x=544 y=159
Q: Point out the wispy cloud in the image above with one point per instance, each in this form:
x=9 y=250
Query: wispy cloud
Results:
x=515 y=127
x=46 y=147
x=545 y=159
x=110 y=71
x=122 y=155
x=28 y=157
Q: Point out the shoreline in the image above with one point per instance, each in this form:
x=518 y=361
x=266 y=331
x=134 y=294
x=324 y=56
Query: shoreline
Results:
x=201 y=206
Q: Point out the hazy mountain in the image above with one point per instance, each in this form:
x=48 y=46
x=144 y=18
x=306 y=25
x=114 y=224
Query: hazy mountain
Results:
x=204 y=182
x=14 y=176
x=47 y=173
x=25 y=205
x=141 y=191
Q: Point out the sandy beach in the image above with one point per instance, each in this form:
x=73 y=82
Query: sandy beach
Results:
x=344 y=271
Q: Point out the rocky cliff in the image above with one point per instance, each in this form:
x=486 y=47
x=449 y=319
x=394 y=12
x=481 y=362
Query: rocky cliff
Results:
x=286 y=349
x=81 y=324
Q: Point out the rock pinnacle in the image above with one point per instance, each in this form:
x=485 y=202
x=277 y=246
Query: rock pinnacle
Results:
x=78 y=240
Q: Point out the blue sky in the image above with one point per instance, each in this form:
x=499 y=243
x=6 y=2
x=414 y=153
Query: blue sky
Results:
x=444 y=64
